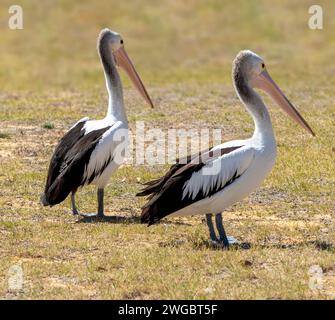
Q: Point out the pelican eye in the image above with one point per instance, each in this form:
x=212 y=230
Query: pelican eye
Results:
x=121 y=41
x=263 y=66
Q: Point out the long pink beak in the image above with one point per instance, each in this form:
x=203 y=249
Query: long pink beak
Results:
x=122 y=59
x=265 y=82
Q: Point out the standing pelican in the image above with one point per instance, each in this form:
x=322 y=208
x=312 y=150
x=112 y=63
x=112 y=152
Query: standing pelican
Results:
x=93 y=149
x=211 y=181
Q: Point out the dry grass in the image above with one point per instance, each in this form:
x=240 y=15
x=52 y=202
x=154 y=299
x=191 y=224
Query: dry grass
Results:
x=50 y=77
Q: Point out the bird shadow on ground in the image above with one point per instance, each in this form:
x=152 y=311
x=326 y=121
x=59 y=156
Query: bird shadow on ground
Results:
x=110 y=219
x=216 y=246
x=319 y=245
x=323 y=245
x=124 y=220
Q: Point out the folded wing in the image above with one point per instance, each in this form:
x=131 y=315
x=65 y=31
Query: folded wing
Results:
x=69 y=161
x=202 y=176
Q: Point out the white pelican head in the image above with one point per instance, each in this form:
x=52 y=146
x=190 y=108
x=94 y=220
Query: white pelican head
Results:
x=249 y=71
x=115 y=45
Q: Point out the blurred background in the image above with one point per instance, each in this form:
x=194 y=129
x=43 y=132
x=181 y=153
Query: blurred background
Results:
x=170 y=41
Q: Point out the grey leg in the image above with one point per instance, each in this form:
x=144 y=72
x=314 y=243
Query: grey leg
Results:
x=101 y=203
x=222 y=232
x=100 y=196
x=73 y=202
x=211 y=228
x=224 y=239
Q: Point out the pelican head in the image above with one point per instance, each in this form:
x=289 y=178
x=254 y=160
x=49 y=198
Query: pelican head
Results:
x=249 y=72
x=115 y=44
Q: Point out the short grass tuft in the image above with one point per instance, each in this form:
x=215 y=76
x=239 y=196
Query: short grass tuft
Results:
x=48 y=126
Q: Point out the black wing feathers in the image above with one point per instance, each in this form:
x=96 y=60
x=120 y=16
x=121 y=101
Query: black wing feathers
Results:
x=69 y=162
x=65 y=144
x=155 y=185
x=165 y=194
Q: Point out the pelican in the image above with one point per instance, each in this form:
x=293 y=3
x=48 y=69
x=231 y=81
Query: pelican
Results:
x=213 y=180
x=92 y=150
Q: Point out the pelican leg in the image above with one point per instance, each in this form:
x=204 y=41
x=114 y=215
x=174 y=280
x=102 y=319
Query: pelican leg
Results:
x=73 y=202
x=100 y=214
x=212 y=234
x=101 y=203
x=224 y=239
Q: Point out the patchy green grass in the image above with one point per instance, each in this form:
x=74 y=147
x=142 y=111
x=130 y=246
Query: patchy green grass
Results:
x=50 y=75
x=4 y=135
x=48 y=125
